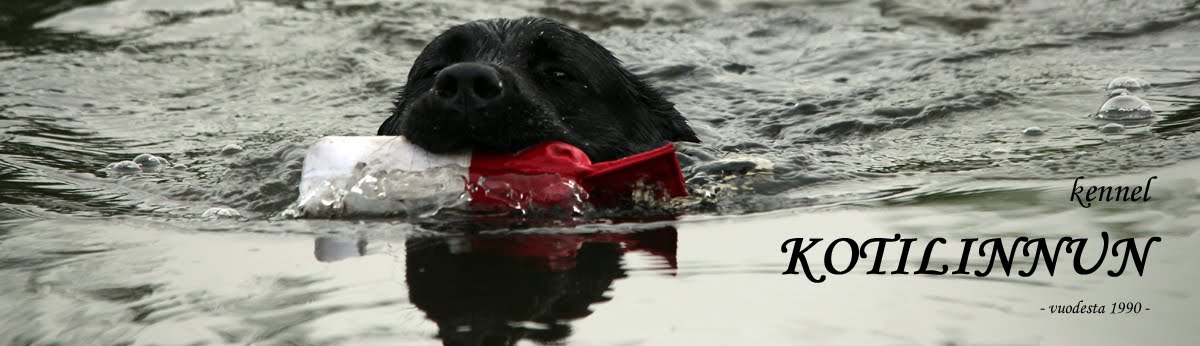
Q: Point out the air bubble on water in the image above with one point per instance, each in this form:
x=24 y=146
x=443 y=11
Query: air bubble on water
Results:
x=130 y=50
x=124 y=168
x=1118 y=92
x=231 y=149
x=220 y=213
x=1112 y=128
x=150 y=162
x=1128 y=83
x=1032 y=131
x=1118 y=82
x=1125 y=107
x=144 y=163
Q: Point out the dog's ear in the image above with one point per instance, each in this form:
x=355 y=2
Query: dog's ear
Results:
x=663 y=115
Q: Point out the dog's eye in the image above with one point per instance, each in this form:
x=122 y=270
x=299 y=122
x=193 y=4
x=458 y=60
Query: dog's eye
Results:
x=433 y=72
x=560 y=74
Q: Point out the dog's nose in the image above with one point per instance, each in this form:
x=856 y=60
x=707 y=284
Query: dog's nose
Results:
x=470 y=84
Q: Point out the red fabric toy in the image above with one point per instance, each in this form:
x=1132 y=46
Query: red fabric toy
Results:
x=557 y=174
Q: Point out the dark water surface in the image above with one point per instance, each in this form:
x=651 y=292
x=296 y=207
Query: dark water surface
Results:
x=819 y=119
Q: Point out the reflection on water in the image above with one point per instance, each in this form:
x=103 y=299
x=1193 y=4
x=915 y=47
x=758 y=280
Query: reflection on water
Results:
x=497 y=290
x=698 y=280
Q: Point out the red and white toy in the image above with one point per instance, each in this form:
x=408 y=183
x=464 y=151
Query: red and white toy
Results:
x=386 y=175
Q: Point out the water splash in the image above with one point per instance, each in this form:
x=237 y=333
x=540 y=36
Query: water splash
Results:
x=529 y=195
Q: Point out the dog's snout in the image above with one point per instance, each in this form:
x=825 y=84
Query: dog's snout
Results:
x=469 y=84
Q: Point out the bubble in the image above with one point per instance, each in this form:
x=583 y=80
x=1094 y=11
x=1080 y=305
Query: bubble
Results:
x=231 y=149
x=1118 y=92
x=1125 y=107
x=143 y=159
x=1118 y=82
x=144 y=163
x=1128 y=83
x=1112 y=128
x=130 y=50
x=1145 y=84
x=125 y=167
x=150 y=162
x=217 y=213
x=1033 y=131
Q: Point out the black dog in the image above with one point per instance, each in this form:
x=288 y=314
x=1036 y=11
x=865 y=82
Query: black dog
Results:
x=501 y=85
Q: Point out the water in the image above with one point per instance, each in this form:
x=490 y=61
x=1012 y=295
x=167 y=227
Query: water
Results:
x=819 y=119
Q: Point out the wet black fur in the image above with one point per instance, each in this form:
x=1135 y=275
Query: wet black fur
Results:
x=558 y=84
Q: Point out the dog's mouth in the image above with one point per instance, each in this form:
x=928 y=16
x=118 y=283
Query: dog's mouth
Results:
x=487 y=130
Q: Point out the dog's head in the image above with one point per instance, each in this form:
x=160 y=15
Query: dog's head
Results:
x=501 y=85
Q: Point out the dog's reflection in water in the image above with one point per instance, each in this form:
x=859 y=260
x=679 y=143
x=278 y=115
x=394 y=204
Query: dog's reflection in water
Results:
x=499 y=289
